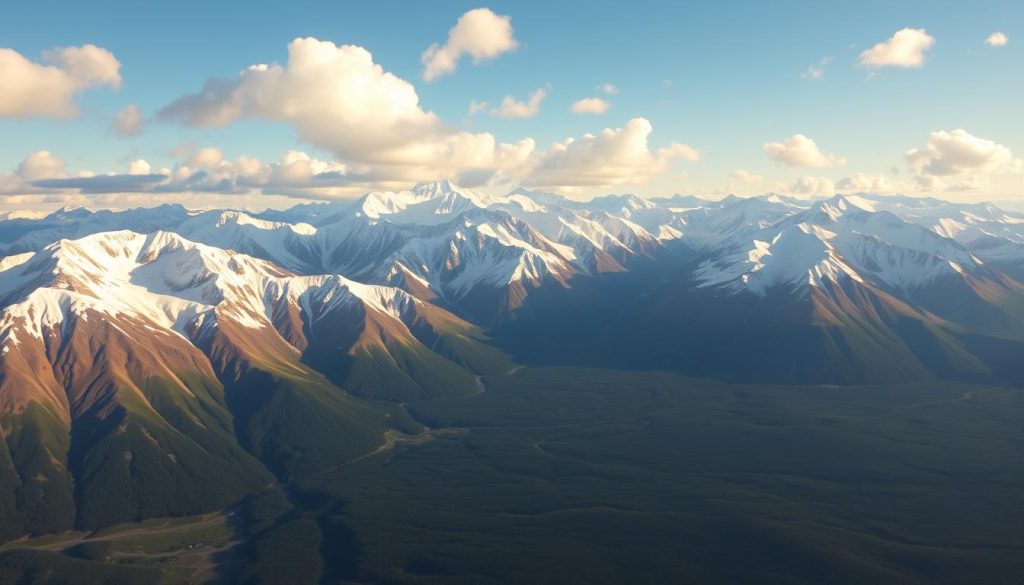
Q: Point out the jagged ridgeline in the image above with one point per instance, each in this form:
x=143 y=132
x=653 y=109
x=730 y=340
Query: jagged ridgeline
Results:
x=164 y=362
x=147 y=375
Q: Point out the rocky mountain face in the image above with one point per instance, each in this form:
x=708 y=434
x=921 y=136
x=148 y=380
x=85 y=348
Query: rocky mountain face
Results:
x=164 y=361
x=147 y=375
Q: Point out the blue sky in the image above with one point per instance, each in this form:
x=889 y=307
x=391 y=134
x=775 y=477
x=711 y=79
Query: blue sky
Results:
x=724 y=78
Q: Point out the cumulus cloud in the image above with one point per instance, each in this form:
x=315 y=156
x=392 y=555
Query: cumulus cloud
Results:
x=611 y=157
x=800 y=151
x=139 y=167
x=479 y=33
x=810 y=186
x=608 y=88
x=29 y=89
x=816 y=71
x=206 y=170
x=744 y=176
x=43 y=174
x=959 y=153
x=40 y=165
x=997 y=39
x=128 y=122
x=338 y=99
x=905 y=49
x=512 y=108
x=590 y=105
x=206 y=158
x=295 y=173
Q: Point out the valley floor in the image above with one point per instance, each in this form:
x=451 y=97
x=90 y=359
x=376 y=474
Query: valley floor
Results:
x=570 y=475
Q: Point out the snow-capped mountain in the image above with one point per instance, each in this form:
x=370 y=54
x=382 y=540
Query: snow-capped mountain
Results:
x=425 y=204
x=141 y=357
x=25 y=234
x=142 y=348
x=173 y=287
x=991 y=233
x=833 y=240
x=528 y=256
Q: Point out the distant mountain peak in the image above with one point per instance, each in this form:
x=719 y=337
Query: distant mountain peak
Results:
x=442 y=187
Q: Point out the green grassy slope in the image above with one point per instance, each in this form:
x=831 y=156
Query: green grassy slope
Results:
x=28 y=567
x=566 y=475
x=162 y=456
x=36 y=492
x=301 y=423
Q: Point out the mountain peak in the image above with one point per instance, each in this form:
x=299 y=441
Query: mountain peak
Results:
x=426 y=203
x=70 y=212
x=837 y=206
x=437 y=188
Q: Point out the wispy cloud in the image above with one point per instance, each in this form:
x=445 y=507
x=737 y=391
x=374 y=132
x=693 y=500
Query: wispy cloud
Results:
x=816 y=71
x=510 y=107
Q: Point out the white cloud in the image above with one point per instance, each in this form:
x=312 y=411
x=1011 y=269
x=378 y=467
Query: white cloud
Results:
x=611 y=157
x=475 y=107
x=997 y=39
x=295 y=173
x=905 y=49
x=338 y=99
x=510 y=107
x=139 y=167
x=608 y=88
x=206 y=158
x=128 y=122
x=40 y=165
x=959 y=153
x=29 y=89
x=479 y=33
x=800 y=151
x=590 y=105
x=744 y=176
x=809 y=186
x=205 y=171
x=816 y=72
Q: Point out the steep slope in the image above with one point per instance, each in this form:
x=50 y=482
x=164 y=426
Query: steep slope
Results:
x=483 y=263
x=856 y=294
x=441 y=243
x=141 y=366
x=992 y=234
x=600 y=241
x=289 y=245
x=931 y=277
x=130 y=419
x=480 y=255
x=710 y=226
x=425 y=204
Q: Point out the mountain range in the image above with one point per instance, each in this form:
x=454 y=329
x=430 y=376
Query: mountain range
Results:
x=166 y=361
